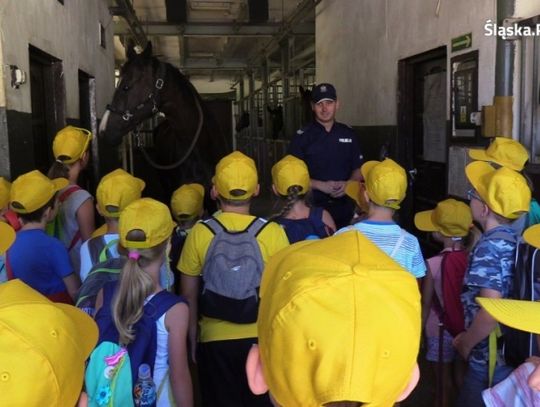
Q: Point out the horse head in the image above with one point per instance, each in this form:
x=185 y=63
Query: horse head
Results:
x=137 y=96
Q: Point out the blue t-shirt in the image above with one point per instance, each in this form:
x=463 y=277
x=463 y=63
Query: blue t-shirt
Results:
x=41 y=261
x=395 y=242
x=329 y=156
x=491 y=265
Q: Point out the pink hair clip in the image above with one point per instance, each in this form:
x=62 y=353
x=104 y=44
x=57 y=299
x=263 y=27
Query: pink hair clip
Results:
x=134 y=255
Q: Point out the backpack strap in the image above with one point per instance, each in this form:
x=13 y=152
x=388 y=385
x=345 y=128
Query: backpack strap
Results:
x=67 y=192
x=62 y=198
x=214 y=225
x=104 y=254
x=9 y=271
x=160 y=303
x=256 y=226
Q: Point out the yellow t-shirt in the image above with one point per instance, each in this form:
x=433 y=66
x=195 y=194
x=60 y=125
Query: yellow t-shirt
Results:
x=271 y=240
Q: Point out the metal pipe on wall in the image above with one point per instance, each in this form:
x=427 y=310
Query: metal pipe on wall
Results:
x=504 y=73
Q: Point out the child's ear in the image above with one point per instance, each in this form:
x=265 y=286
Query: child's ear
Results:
x=254 y=372
x=274 y=190
x=257 y=190
x=415 y=376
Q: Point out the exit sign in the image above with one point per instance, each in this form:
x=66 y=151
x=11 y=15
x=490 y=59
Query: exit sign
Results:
x=462 y=42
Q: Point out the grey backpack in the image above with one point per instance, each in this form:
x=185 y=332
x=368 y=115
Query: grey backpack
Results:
x=232 y=273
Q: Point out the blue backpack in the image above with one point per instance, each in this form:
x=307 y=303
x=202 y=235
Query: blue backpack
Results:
x=112 y=369
x=311 y=227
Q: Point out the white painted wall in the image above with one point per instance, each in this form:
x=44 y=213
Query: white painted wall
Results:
x=359 y=44
x=68 y=32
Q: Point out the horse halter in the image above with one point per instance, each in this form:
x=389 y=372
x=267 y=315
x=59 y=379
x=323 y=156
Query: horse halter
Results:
x=153 y=97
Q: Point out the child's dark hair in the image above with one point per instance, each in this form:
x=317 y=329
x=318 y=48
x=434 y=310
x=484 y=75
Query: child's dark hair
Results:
x=293 y=196
x=235 y=202
x=37 y=214
x=58 y=170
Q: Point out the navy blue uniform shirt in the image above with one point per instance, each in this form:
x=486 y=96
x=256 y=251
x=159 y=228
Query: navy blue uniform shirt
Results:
x=330 y=155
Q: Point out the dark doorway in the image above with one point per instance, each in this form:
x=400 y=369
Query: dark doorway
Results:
x=48 y=101
x=423 y=133
x=87 y=120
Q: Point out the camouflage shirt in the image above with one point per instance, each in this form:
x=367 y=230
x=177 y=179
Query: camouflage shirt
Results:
x=491 y=265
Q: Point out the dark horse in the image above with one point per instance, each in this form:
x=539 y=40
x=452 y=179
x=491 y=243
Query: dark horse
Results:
x=188 y=143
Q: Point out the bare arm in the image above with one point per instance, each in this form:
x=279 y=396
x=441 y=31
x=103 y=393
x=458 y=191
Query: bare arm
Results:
x=427 y=295
x=177 y=322
x=480 y=328
x=190 y=290
x=329 y=222
x=85 y=219
x=72 y=283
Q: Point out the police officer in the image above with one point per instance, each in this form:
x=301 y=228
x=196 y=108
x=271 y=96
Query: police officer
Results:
x=332 y=154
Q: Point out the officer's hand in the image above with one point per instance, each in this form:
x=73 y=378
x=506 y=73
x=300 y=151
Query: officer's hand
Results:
x=338 y=189
x=324 y=186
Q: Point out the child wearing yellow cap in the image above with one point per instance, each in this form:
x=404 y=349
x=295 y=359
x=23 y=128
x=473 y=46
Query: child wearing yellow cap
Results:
x=442 y=311
x=522 y=387
x=115 y=191
x=75 y=223
x=290 y=178
x=385 y=187
x=144 y=229
x=39 y=260
x=509 y=153
x=220 y=344
x=497 y=198
x=187 y=209
x=337 y=327
x=44 y=347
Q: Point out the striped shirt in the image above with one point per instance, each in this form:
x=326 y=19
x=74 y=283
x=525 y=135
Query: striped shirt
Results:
x=394 y=241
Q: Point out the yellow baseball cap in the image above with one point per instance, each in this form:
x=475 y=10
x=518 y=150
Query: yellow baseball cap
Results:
x=355 y=190
x=116 y=190
x=71 y=143
x=45 y=345
x=518 y=314
x=236 y=172
x=5 y=187
x=503 y=151
x=385 y=181
x=187 y=201
x=31 y=191
x=7 y=237
x=337 y=324
x=504 y=191
x=151 y=217
x=450 y=217
x=532 y=236
x=290 y=171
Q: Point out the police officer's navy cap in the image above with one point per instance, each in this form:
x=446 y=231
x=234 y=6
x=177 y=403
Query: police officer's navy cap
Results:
x=323 y=91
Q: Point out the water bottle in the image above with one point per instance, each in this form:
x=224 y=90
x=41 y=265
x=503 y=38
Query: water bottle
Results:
x=144 y=392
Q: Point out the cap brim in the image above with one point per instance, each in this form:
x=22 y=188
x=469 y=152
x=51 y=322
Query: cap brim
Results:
x=422 y=221
x=352 y=189
x=367 y=167
x=60 y=183
x=478 y=154
x=86 y=327
x=522 y=315
x=7 y=237
x=475 y=171
x=323 y=99
x=16 y=292
x=532 y=236
x=199 y=188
